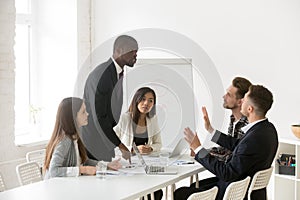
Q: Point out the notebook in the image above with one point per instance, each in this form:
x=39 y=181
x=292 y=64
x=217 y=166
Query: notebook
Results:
x=153 y=169
x=180 y=146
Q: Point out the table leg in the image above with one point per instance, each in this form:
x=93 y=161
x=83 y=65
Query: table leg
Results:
x=166 y=196
x=152 y=196
x=191 y=179
x=173 y=187
x=197 y=180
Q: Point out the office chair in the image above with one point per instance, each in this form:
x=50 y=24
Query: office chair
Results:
x=237 y=190
x=36 y=156
x=28 y=173
x=205 y=195
x=260 y=180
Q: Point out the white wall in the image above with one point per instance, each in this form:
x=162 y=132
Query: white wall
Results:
x=255 y=39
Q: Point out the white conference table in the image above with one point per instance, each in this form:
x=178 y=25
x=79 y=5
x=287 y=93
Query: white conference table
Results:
x=90 y=187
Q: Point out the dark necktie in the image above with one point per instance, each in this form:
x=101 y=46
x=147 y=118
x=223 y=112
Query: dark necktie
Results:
x=121 y=74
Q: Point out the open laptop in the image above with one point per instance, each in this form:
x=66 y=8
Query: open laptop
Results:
x=154 y=169
x=180 y=146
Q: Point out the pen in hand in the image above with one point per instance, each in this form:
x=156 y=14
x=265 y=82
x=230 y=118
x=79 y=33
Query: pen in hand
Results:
x=147 y=148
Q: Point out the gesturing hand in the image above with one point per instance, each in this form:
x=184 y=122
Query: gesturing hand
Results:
x=191 y=138
x=207 y=124
x=125 y=152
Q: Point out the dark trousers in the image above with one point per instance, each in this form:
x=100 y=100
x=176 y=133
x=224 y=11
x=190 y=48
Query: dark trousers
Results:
x=157 y=195
x=184 y=192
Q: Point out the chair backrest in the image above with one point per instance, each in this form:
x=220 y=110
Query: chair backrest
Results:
x=36 y=156
x=28 y=173
x=260 y=180
x=205 y=195
x=237 y=190
x=2 y=185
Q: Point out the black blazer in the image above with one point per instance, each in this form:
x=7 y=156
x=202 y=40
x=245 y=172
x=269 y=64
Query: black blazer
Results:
x=253 y=152
x=103 y=97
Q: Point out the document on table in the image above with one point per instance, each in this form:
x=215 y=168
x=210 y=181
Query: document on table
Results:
x=132 y=171
x=135 y=167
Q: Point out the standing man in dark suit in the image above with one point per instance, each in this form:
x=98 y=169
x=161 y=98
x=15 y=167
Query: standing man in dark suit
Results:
x=103 y=96
x=253 y=152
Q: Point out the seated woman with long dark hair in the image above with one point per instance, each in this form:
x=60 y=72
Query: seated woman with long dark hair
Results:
x=139 y=125
x=65 y=152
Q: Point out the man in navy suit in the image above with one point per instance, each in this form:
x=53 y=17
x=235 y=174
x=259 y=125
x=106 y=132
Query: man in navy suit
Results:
x=103 y=96
x=253 y=152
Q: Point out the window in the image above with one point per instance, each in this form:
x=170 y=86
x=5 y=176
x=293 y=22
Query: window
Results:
x=46 y=64
x=22 y=79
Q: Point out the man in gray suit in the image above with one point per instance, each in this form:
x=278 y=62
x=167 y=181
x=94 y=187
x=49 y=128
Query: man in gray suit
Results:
x=103 y=96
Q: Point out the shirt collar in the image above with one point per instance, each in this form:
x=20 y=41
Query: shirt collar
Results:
x=118 y=68
x=248 y=126
x=243 y=118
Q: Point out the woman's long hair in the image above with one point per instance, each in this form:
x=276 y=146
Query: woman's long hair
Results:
x=137 y=98
x=66 y=126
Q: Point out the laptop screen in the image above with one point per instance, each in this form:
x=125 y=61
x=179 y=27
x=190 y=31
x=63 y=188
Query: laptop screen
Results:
x=140 y=157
